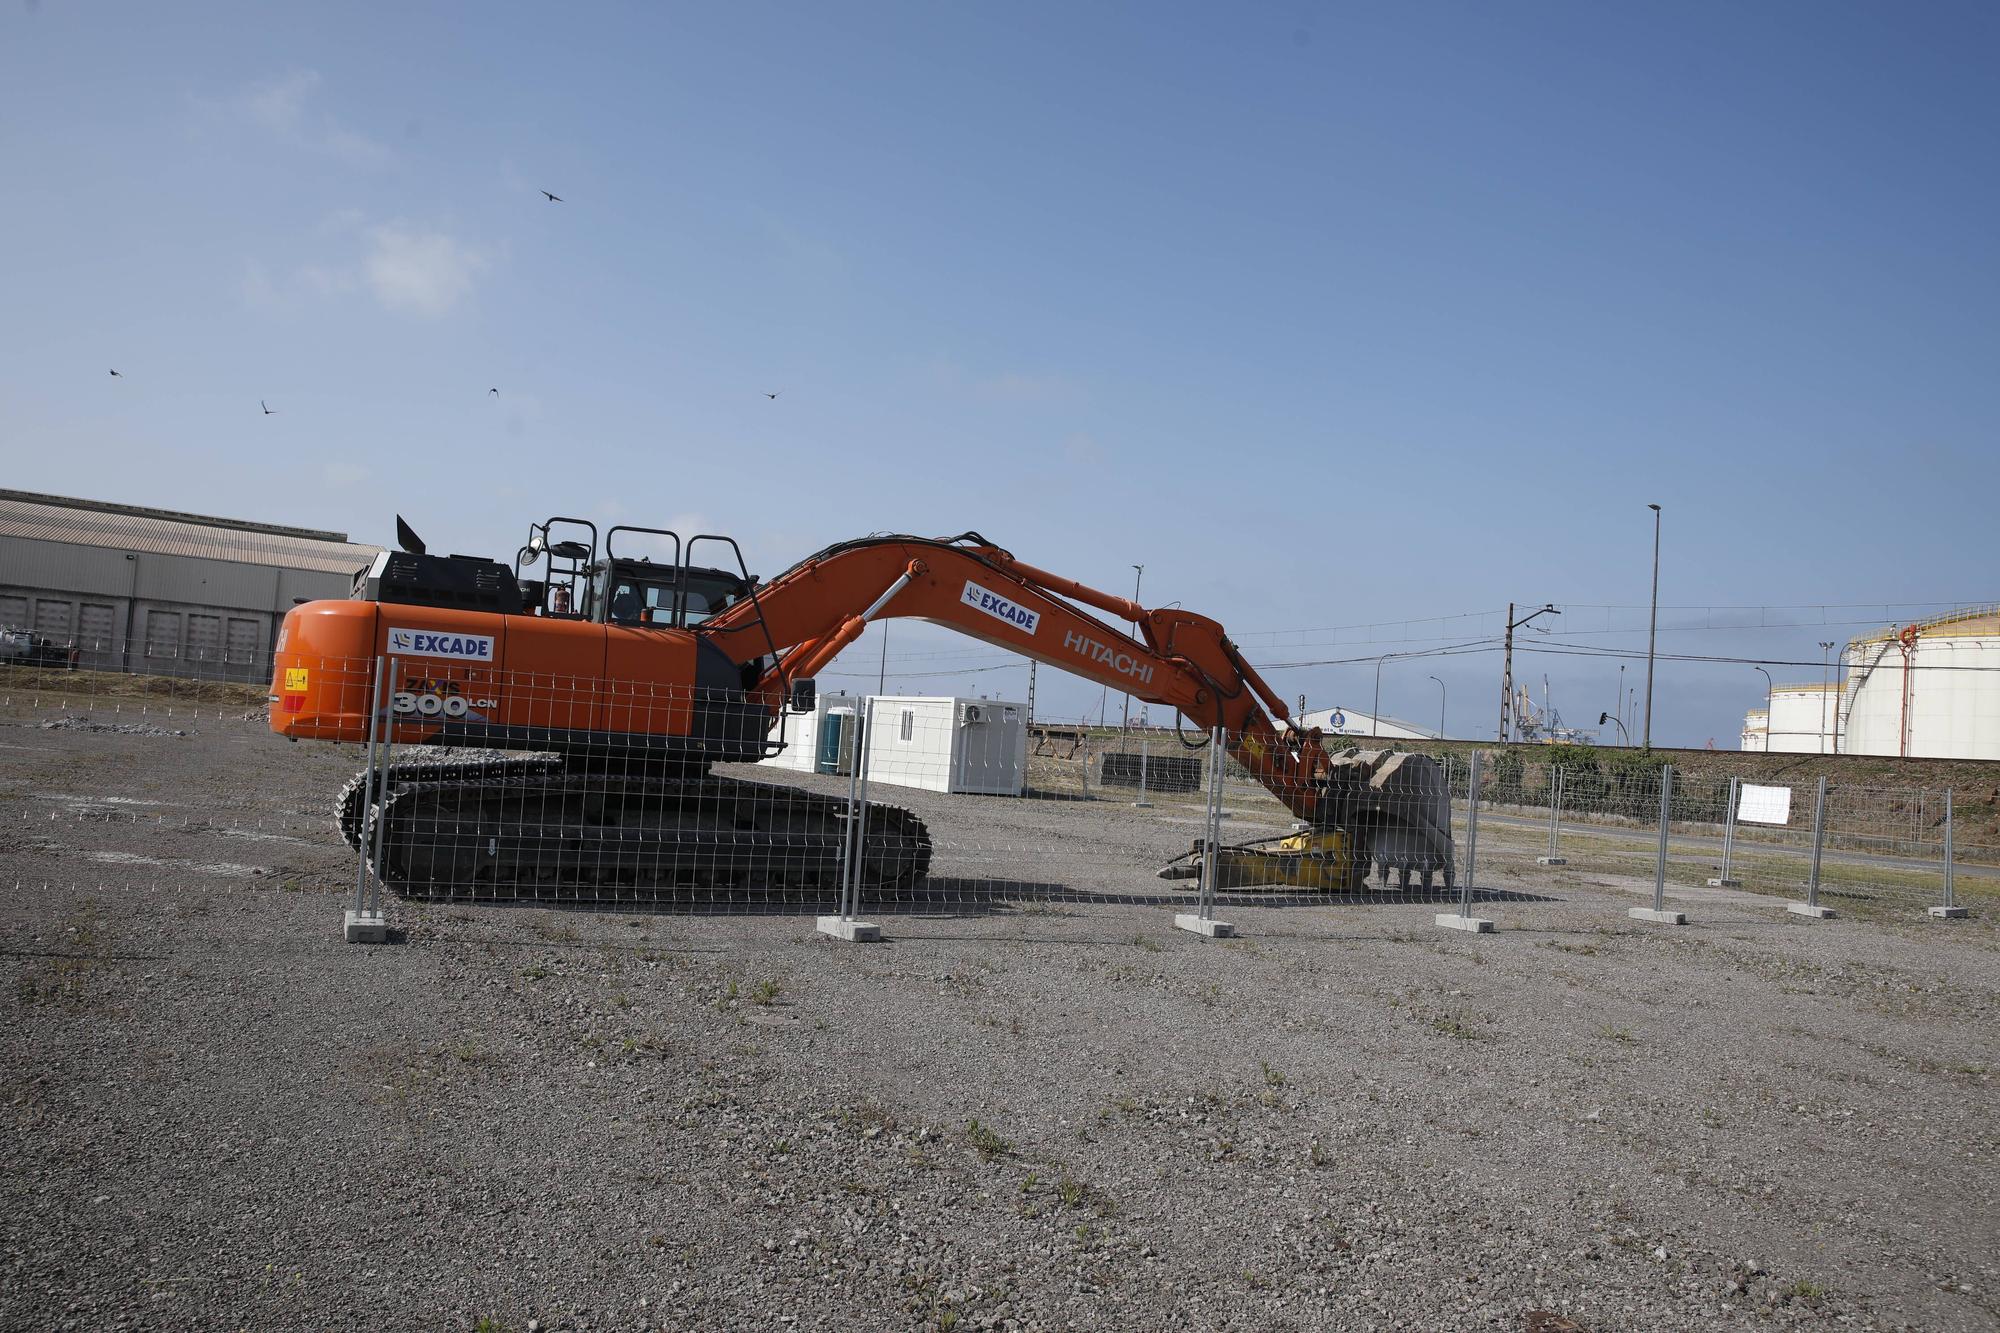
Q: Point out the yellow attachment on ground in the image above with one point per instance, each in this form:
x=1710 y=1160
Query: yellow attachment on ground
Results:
x=1320 y=859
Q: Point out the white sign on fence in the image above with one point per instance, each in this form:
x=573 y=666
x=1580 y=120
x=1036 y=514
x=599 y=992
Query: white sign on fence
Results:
x=1763 y=805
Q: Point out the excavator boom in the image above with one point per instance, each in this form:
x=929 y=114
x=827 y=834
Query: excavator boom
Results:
x=1183 y=661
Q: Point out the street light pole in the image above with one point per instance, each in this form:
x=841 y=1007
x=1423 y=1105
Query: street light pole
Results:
x=1653 y=632
x=882 y=675
x=1769 y=690
x=1138 y=572
x=1440 y=707
x=1375 y=717
x=1621 y=698
x=1825 y=677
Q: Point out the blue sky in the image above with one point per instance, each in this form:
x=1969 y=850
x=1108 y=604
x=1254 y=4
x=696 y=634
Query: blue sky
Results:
x=1330 y=316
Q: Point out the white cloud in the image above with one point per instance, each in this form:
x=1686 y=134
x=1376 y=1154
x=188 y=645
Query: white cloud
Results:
x=408 y=269
x=279 y=104
x=422 y=273
x=282 y=107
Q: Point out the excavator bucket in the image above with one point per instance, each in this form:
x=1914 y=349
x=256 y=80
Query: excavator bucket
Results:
x=1388 y=810
x=1398 y=806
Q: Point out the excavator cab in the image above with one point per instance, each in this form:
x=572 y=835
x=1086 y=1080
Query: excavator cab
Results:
x=639 y=592
x=624 y=589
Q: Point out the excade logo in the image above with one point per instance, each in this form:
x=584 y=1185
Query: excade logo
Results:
x=1123 y=663
x=993 y=604
x=433 y=643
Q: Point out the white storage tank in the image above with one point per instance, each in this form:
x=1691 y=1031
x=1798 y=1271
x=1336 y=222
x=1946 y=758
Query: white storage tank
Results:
x=1756 y=729
x=1929 y=690
x=1802 y=719
x=975 y=746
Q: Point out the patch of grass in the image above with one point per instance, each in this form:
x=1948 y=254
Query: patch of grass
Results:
x=1805 y=1290
x=1148 y=943
x=1623 y=1036
x=535 y=971
x=764 y=992
x=1273 y=1078
x=985 y=1142
x=1454 y=1025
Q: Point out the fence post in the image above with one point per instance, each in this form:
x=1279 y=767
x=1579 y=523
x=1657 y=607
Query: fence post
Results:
x=1555 y=857
x=1202 y=921
x=1463 y=919
x=1142 y=803
x=1949 y=908
x=845 y=925
x=1658 y=911
x=1810 y=907
x=1725 y=880
x=362 y=926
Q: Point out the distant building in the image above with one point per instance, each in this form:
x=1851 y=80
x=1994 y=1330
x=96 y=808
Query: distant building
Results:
x=125 y=587
x=1354 y=722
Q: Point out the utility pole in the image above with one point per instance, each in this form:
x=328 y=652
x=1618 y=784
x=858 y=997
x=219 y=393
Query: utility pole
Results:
x=1652 y=633
x=1031 y=691
x=1507 y=670
x=882 y=675
x=1825 y=678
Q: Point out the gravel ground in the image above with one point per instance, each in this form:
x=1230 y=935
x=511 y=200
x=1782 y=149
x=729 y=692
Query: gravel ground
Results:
x=1036 y=1105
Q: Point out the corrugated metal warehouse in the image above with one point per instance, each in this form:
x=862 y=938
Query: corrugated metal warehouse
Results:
x=131 y=588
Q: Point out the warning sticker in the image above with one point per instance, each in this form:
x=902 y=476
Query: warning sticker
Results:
x=295 y=680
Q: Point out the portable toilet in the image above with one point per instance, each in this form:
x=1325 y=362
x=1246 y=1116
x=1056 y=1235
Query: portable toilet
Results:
x=839 y=733
x=805 y=735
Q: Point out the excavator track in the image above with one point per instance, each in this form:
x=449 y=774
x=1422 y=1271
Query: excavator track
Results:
x=524 y=828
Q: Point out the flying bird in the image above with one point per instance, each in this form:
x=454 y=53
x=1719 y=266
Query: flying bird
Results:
x=267 y=411
x=116 y=374
x=494 y=392
x=552 y=198
x=773 y=396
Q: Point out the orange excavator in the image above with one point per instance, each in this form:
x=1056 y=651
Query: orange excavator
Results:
x=571 y=722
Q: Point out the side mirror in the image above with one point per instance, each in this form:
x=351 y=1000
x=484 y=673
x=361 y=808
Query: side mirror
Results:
x=804 y=695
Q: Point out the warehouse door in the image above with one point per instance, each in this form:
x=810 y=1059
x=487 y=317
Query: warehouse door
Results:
x=163 y=634
x=246 y=644
x=14 y=612
x=52 y=619
x=204 y=640
x=96 y=627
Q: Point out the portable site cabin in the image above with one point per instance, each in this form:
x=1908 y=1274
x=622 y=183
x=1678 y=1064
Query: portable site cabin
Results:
x=975 y=746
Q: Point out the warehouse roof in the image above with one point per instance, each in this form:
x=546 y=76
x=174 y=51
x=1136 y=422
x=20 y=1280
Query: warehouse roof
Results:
x=61 y=518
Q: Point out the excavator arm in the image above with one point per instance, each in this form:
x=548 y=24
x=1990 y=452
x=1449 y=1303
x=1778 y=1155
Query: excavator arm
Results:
x=807 y=615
